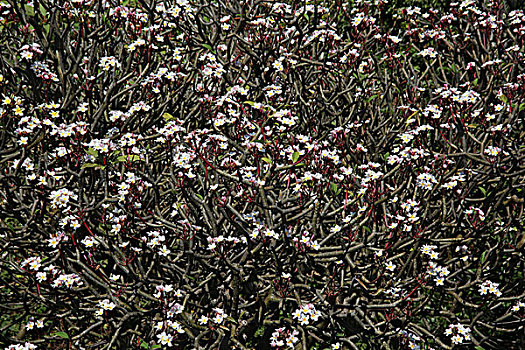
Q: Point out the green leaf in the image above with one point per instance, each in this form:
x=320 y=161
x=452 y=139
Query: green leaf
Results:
x=483 y=257
x=231 y=319
x=156 y=347
x=367 y=229
x=144 y=345
x=259 y=332
x=92 y=152
x=335 y=188
x=371 y=98
x=207 y=47
x=92 y=165
x=267 y=160
x=503 y=98
x=475 y=82
x=295 y=156
x=522 y=107
x=484 y=191
x=62 y=335
x=168 y=117
x=128 y=158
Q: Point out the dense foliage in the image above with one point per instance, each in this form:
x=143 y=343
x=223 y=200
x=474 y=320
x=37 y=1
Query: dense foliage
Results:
x=250 y=174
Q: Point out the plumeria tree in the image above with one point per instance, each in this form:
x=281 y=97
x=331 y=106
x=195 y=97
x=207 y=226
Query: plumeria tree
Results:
x=271 y=175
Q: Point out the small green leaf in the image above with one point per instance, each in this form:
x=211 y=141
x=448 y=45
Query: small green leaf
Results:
x=503 y=98
x=484 y=191
x=335 y=188
x=207 y=47
x=128 y=158
x=295 y=156
x=522 y=107
x=231 y=319
x=367 y=229
x=475 y=82
x=144 y=345
x=371 y=98
x=156 y=347
x=168 y=117
x=483 y=257
x=62 y=335
x=92 y=152
x=259 y=332
x=92 y=165
x=267 y=160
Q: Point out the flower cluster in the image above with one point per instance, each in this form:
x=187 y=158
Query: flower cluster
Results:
x=215 y=243
x=217 y=318
x=307 y=241
x=458 y=333
x=489 y=287
x=438 y=272
x=107 y=63
x=104 y=305
x=282 y=337
x=60 y=198
x=426 y=181
x=32 y=324
x=25 y=346
x=306 y=313
x=33 y=263
x=67 y=280
x=430 y=251
x=186 y=161
x=413 y=341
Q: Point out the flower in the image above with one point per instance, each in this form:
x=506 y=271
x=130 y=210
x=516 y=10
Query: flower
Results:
x=458 y=333
x=164 y=338
x=489 y=287
x=203 y=320
x=390 y=266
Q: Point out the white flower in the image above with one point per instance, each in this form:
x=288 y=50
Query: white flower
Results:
x=390 y=266
x=164 y=338
x=203 y=320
